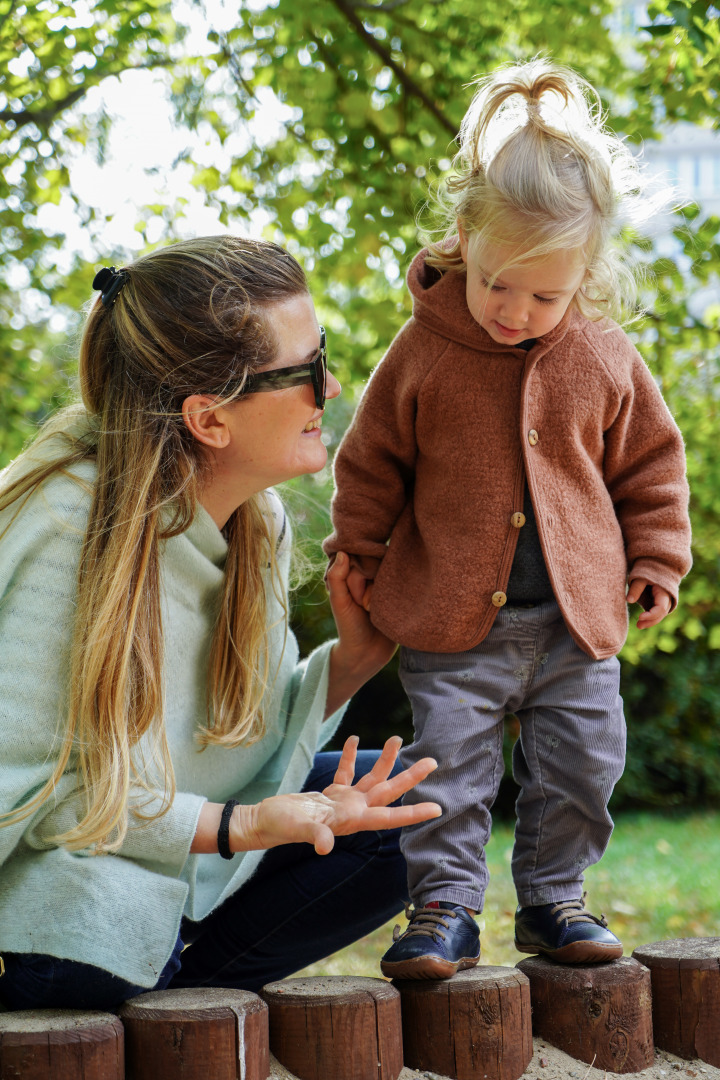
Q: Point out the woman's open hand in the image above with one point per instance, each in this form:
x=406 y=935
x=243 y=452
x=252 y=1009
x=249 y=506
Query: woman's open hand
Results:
x=318 y=817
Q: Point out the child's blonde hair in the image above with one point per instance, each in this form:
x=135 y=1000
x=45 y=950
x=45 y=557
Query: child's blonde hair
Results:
x=194 y=317
x=537 y=172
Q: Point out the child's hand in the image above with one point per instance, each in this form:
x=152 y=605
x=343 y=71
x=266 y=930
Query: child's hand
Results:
x=661 y=601
x=357 y=584
x=360 y=581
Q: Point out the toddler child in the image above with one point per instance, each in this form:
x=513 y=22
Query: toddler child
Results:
x=511 y=481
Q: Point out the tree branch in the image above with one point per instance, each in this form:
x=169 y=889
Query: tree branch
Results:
x=384 y=5
x=410 y=86
x=43 y=117
x=231 y=59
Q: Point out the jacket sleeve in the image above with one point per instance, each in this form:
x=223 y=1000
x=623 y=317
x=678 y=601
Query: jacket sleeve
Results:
x=644 y=467
x=375 y=463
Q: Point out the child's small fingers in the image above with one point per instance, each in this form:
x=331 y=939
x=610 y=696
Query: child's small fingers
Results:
x=635 y=590
x=356 y=584
x=652 y=617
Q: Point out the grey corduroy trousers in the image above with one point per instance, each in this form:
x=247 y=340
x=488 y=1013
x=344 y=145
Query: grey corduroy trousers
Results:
x=568 y=758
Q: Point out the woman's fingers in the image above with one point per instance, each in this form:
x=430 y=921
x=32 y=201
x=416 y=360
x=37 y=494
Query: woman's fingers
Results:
x=389 y=817
x=336 y=579
x=396 y=817
x=375 y=785
x=383 y=766
x=323 y=839
x=390 y=790
x=345 y=772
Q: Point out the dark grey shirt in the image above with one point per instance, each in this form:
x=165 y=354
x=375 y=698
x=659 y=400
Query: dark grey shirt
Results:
x=529 y=582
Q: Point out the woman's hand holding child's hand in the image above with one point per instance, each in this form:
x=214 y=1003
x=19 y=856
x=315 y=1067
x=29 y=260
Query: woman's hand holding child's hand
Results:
x=342 y=808
x=661 y=599
x=361 y=649
x=359 y=587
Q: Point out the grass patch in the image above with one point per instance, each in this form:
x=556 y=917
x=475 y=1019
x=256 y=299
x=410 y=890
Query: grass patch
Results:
x=659 y=879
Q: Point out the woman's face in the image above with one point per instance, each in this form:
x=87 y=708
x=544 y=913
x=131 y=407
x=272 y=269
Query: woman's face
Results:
x=274 y=435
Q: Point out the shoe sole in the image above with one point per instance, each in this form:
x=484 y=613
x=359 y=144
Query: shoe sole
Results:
x=426 y=967
x=578 y=952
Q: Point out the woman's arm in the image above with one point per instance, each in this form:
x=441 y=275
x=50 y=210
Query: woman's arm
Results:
x=318 y=817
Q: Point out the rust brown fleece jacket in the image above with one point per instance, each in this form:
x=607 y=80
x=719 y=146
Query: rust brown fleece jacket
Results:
x=430 y=474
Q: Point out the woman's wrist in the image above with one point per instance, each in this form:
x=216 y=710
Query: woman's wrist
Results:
x=349 y=670
x=242 y=829
x=206 y=831
x=244 y=832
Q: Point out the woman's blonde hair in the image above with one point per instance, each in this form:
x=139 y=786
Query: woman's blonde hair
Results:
x=194 y=317
x=538 y=172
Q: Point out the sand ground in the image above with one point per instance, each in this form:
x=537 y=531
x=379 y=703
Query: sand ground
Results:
x=549 y=1063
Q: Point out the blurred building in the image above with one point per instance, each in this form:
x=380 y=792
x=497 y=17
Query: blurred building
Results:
x=688 y=156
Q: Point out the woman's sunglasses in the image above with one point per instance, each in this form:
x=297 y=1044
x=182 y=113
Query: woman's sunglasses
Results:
x=282 y=378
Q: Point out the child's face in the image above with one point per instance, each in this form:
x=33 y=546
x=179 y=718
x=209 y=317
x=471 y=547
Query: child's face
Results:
x=524 y=301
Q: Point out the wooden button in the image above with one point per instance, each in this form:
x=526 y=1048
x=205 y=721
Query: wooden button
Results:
x=499 y=598
x=533 y=436
x=518 y=520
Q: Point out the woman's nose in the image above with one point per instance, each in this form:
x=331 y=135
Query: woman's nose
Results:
x=332 y=386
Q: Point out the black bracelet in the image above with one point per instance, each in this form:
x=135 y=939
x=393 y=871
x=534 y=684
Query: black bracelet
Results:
x=224 y=829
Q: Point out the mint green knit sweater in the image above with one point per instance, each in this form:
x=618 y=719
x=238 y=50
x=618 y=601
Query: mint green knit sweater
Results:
x=122 y=912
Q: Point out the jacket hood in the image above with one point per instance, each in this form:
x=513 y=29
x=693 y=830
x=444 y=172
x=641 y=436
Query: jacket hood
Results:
x=439 y=304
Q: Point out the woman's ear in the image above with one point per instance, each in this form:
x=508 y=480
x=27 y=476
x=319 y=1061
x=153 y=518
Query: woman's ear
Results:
x=206 y=420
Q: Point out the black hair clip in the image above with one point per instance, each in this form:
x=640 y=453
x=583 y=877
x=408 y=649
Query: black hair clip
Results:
x=108 y=282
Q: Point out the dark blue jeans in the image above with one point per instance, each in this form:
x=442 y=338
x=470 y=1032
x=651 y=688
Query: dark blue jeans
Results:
x=297 y=908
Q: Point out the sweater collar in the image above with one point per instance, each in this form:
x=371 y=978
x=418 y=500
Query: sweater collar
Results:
x=205 y=536
x=439 y=304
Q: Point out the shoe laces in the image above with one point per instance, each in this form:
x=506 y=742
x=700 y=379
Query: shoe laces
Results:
x=425 y=921
x=573 y=911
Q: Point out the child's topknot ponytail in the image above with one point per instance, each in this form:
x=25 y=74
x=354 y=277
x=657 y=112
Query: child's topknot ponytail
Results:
x=537 y=172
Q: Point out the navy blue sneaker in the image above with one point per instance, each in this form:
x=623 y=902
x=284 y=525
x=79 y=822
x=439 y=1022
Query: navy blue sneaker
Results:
x=565 y=932
x=440 y=940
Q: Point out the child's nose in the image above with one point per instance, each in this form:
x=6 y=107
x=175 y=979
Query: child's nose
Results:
x=515 y=308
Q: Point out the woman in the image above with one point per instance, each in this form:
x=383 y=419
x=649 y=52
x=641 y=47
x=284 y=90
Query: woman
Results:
x=154 y=717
